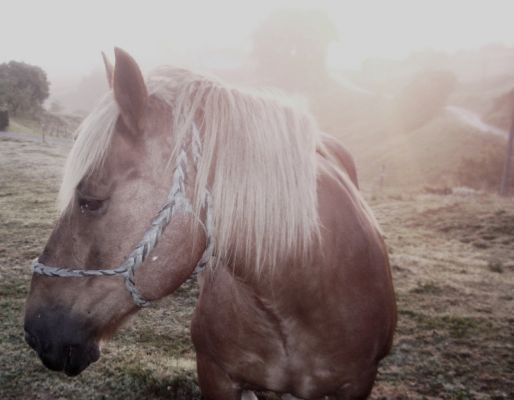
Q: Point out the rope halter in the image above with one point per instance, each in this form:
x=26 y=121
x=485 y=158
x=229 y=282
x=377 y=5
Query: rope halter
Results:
x=176 y=202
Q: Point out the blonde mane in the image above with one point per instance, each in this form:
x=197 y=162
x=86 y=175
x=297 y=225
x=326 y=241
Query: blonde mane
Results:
x=258 y=160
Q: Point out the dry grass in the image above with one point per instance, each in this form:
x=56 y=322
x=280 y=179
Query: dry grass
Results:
x=454 y=337
x=453 y=268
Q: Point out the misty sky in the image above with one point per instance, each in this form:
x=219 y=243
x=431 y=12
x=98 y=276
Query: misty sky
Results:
x=65 y=37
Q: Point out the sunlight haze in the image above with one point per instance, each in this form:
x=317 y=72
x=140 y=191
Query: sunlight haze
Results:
x=336 y=181
x=65 y=37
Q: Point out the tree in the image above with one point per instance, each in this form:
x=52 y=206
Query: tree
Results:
x=290 y=47
x=23 y=87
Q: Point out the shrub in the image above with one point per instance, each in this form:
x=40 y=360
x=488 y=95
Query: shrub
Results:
x=483 y=171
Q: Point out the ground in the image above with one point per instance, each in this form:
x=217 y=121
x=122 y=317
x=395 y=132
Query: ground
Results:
x=453 y=267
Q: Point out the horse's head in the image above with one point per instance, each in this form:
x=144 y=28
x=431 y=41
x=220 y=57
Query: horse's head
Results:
x=113 y=186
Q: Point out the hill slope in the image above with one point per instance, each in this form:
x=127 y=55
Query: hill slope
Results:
x=431 y=155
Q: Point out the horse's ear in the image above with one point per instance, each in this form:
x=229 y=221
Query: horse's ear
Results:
x=109 y=69
x=129 y=90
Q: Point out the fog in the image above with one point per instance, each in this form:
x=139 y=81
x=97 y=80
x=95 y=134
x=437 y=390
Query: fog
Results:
x=65 y=37
x=380 y=75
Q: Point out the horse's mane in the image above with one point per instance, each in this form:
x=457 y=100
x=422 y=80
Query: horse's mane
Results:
x=259 y=154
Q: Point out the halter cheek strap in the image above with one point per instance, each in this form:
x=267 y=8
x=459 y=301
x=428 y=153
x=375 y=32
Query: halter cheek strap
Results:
x=177 y=202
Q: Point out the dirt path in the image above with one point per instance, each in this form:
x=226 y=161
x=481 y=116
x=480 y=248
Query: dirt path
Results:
x=472 y=119
x=453 y=265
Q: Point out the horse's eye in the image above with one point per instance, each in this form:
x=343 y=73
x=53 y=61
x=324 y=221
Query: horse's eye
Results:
x=90 y=205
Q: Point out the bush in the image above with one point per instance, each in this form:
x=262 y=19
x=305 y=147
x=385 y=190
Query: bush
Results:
x=500 y=113
x=484 y=171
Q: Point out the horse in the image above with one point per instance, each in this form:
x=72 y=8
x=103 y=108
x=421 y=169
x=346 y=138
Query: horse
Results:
x=296 y=295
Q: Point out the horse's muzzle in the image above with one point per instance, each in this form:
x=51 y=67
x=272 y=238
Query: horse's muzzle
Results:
x=61 y=347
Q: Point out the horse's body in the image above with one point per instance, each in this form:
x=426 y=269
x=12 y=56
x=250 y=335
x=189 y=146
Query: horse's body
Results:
x=292 y=333
x=311 y=321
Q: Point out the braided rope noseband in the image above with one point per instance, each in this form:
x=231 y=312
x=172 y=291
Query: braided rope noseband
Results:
x=177 y=202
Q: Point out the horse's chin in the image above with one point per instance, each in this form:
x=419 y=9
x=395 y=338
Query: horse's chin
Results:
x=77 y=360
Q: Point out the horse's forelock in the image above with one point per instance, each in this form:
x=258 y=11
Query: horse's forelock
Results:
x=92 y=140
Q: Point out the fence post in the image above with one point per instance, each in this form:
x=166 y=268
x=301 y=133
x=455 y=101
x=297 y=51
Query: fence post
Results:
x=507 y=169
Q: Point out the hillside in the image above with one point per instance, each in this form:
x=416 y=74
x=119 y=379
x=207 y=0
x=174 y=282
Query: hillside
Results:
x=501 y=111
x=443 y=148
x=435 y=154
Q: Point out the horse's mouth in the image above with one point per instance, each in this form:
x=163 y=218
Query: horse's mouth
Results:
x=75 y=359
x=78 y=358
x=62 y=342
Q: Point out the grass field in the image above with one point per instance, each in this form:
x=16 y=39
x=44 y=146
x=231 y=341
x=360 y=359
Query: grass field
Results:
x=23 y=125
x=453 y=266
